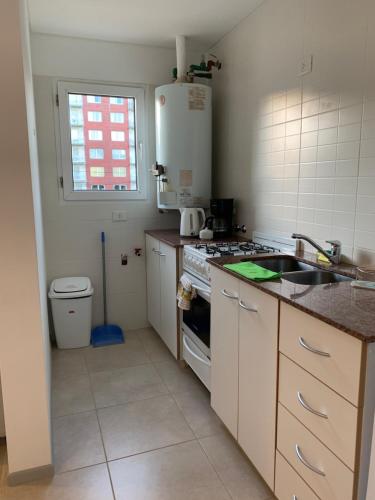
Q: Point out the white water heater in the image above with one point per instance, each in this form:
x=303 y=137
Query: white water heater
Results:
x=183 y=145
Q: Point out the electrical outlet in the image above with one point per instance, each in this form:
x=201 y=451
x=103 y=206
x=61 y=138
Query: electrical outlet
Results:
x=306 y=65
x=119 y=216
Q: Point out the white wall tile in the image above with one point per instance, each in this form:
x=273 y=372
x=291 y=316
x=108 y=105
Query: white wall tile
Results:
x=307 y=170
x=352 y=114
x=347 y=168
x=367 y=166
x=348 y=150
x=366 y=186
x=309 y=139
x=325 y=168
x=350 y=132
x=328 y=120
x=308 y=155
x=327 y=153
x=327 y=136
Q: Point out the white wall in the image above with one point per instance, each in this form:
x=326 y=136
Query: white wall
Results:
x=73 y=228
x=299 y=152
x=24 y=340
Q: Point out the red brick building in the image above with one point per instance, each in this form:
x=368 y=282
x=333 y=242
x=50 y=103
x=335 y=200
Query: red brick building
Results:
x=103 y=142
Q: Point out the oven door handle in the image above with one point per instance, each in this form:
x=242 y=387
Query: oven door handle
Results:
x=207 y=291
x=189 y=349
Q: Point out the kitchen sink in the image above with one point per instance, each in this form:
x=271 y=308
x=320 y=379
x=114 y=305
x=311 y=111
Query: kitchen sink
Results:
x=314 y=277
x=281 y=264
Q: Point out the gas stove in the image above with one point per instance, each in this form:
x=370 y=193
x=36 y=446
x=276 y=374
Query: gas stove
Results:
x=195 y=256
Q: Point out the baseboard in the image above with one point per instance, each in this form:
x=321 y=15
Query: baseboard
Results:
x=27 y=475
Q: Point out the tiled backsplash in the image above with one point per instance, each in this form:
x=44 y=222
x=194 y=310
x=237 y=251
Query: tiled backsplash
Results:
x=311 y=163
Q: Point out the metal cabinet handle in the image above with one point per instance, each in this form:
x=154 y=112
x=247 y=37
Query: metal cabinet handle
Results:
x=294 y=497
x=302 y=459
x=226 y=294
x=312 y=349
x=156 y=251
x=247 y=308
x=308 y=407
x=162 y=254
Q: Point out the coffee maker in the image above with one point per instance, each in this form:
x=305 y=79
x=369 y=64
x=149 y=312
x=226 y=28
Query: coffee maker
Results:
x=220 y=220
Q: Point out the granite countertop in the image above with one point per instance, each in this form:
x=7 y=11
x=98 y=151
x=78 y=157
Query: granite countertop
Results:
x=172 y=238
x=349 y=309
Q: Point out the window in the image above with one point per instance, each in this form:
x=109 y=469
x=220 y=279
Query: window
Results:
x=119 y=171
x=94 y=116
x=117 y=117
x=75 y=100
x=116 y=100
x=77 y=135
x=79 y=154
x=117 y=135
x=95 y=135
x=97 y=171
x=94 y=99
x=96 y=154
x=120 y=187
x=118 y=154
x=76 y=116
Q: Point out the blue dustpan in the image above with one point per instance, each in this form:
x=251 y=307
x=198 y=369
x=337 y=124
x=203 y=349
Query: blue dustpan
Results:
x=105 y=334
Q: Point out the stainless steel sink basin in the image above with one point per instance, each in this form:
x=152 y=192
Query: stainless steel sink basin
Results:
x=315 y=277
x=282 y=264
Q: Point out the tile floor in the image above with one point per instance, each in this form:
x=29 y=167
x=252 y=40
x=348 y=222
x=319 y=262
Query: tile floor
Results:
x=129 y=423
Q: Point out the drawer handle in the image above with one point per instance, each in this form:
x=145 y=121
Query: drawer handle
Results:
x=302 y=459
x=294 y=497
x=156 y=251
x=312 y=349
x=247 y=308
x=226 y=294
x=308 y=407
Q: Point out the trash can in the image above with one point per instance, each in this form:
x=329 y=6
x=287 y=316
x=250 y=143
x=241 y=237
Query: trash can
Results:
x=71 y=300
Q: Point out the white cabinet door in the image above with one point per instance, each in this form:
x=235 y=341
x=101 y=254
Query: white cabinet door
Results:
x=224 y=348
x=168 y=291
x=153 y=282
x=258 y=330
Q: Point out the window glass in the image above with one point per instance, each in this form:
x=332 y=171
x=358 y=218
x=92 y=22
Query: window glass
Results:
x=97 y=171
x=119 y=171
x=86 y=117
x=94 y=116
x=116 y=100
x=95 y=135
x=117 y=117
x=117 y=135
x=118 y=154
x=96 y=154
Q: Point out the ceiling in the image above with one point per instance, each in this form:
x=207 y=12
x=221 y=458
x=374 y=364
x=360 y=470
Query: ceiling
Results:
x=146 y=22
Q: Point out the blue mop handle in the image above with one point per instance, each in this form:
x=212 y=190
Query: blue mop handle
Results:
x=104 y=278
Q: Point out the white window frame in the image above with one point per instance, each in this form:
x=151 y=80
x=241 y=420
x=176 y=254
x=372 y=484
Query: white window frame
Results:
x=138 y=93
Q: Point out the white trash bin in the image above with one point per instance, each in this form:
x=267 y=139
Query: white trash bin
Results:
x=71 y=300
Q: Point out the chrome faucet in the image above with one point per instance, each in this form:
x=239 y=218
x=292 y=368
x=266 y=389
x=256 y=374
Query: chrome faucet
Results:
x=334 y=256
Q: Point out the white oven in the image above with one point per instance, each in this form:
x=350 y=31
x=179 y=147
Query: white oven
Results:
x=196 y=331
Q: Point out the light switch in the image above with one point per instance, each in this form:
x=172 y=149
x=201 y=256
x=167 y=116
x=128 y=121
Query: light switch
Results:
x=119 y=216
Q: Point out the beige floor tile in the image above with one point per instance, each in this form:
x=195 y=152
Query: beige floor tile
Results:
x=238 y=475
x=77 y=441
x=180 y=472
x=114 y=357
x=91 y=483
x=126 y=384
x=71 y=395
x=196 y=408
x=177 y=378
x=67 y=363
x=142 y=426
x=154 y=346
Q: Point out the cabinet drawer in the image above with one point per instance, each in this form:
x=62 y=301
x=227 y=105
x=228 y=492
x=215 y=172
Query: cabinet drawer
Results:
x=300 y=334
x=337 y=481
x=289 y=485
x=302 y=394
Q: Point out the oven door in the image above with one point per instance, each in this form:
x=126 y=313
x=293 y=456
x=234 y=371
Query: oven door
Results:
x=197 y=321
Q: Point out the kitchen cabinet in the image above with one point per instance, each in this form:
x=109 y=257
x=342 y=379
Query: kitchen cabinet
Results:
x=258 y=331
x=162 y=272
x=244 y=366
x=224 y=348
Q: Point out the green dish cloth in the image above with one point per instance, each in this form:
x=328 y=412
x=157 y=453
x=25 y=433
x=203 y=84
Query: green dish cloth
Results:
x=252 y=271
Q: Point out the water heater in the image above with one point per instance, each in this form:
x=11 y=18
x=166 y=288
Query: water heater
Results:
x=183 y=145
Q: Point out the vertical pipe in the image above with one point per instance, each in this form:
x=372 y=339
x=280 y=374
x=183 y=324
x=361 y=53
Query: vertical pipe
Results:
x=181 y=58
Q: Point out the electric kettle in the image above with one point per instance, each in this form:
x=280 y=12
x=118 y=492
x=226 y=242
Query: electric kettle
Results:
x=192 y=221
